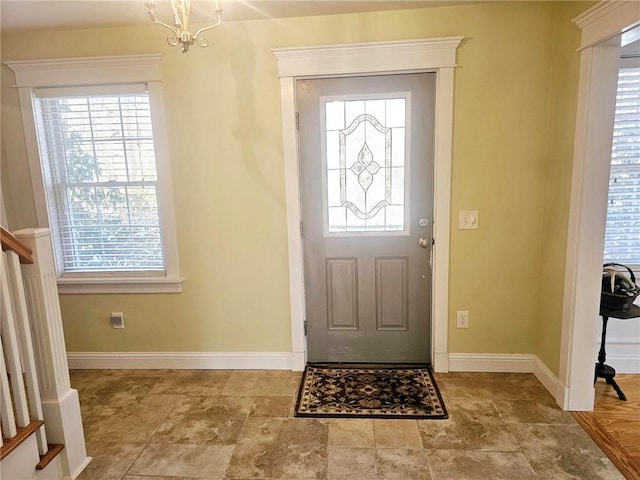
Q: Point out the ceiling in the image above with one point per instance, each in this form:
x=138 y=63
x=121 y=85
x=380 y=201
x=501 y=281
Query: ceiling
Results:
x=59 y=14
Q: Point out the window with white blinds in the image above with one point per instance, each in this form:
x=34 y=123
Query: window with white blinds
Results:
x=622 y=237
x=99 y=165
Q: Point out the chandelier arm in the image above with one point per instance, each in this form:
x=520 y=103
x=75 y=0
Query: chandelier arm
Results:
x=171 y=39
x=180 y=16
x=201 y=41
x=180 y=34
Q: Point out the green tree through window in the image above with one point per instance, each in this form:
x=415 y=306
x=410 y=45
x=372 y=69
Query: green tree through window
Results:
x=102 y=200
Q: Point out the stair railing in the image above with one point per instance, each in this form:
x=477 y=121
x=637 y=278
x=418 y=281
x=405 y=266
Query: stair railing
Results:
x=21 y=403
x=34 y=374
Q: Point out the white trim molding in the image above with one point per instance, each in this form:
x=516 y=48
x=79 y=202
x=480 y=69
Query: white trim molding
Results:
x=606 y=20
x=623 y=354
x=491 y=362
x=87 y=70
x=624 y=364
x=458 y=362
x=33 y=76
x=181 y=360
x=366 y=58
x=115 y=284
x=548 y=380
x=424 y=55
x=601 y=27
x=507 y=363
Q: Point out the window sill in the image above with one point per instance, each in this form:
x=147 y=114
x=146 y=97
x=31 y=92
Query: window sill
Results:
x=119 y=285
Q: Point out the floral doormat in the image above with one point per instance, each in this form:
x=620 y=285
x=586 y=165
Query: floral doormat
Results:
x=378 y=391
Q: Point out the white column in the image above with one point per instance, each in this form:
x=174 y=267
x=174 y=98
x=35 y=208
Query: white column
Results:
x=60 y=403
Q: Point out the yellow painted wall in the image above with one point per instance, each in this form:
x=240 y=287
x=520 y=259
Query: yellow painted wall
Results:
x=557 y=178
x=223 y=106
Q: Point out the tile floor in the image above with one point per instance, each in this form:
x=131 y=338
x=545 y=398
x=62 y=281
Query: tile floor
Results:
x=214 y=424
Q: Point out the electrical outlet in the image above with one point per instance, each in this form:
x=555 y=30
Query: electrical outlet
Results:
x=117 y=319
x=462 y=320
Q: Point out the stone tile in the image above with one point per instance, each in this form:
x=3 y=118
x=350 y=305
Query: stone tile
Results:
x=246 y=374
x=280 y=448
x=521 y=411
x=154 y=477
x=303 y=431
x=111 y=460
x=559 y=452
x=135 y=427
x=205 y=420
x=472 y=425
x=556 y=415
x=282 y=373
x=488 y=413
x=113 y=394
x=503 y=386
x=471 y=375
x=200 y=461
x=351 y=463
x=402 y=464
x=192 y=382
x=81 y=378
x=351 y=433
x=257 y=460
x=396 y=434
x=458 y=465
x=526 y=411
x=272 y=406
x=362 y=463
x=243 y=383
x=280 y=385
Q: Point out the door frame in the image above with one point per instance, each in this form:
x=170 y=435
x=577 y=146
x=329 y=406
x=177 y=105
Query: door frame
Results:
x=436 y=55
x=601 y=28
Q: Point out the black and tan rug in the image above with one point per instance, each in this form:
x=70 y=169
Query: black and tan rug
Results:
x=379 y=391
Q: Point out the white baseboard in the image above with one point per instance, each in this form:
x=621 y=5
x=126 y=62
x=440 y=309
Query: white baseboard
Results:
x=181 y=360
x=504 y=362
x=441 y=362
x=457 y=362
x=624 y=363
x=491 y=362
x=548 y=380
x=298 y=361
x=623 y=354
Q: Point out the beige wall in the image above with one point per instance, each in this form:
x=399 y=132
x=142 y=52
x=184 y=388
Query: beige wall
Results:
x=557 y=177
x=514 y=108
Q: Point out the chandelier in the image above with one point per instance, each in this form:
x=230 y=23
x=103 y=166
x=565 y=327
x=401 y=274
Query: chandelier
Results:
x=180 y=33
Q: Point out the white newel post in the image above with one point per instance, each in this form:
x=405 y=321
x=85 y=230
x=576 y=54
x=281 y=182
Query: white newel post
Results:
x=60 y=402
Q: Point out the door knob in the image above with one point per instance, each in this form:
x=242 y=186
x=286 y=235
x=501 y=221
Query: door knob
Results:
x=423 y=242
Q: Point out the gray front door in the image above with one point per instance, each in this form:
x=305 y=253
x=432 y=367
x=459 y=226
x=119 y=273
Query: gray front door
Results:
x=366 y=149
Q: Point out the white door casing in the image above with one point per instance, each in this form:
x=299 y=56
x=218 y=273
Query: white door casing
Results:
x=601 y=27
x=427 y=55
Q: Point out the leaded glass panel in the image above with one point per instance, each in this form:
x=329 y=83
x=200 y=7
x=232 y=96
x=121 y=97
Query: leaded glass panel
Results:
x=365 y=165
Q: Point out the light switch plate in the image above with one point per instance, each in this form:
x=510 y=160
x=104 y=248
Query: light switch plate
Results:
x=117 y=320
x=468 y=220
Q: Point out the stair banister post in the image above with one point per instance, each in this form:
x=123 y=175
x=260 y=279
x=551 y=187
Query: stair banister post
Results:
x=60 y=402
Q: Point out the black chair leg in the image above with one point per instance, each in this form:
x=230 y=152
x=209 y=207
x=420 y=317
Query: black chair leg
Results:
x=612 y=382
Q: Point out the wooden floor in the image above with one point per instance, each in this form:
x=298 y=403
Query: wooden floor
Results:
x=615 y=425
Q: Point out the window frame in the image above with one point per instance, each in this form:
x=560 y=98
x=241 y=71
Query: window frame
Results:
x=91 y=71
x=626 y=62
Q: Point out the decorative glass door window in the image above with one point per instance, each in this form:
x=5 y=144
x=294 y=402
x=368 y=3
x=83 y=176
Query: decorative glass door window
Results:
x=365 y=164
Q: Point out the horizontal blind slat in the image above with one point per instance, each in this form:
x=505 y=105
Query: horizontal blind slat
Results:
x=101 y=171
x=622 y=235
